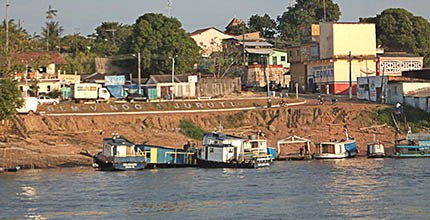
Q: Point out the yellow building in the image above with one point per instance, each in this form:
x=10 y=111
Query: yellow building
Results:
x=342 y=46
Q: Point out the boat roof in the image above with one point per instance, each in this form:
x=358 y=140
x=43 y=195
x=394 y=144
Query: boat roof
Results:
x=222 y=136
x=412 y=146
x=218 y=145
x=293 y=140
x=118 y=141
x=418 y=136
x=337 y=142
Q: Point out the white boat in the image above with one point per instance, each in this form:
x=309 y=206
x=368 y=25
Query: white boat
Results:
x=375 y=150
x=336 y=150
x=226 y=151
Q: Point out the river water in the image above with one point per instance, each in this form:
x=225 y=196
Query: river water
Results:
x=344 y=189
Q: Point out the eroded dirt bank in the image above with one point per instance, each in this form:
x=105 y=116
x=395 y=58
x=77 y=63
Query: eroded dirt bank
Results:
x=41 y=142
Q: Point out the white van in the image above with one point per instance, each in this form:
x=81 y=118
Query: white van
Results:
x=29 y=105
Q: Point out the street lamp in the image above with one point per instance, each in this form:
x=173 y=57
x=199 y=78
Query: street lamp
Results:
x=173 y=76
x=350 y=75
x=7 y=26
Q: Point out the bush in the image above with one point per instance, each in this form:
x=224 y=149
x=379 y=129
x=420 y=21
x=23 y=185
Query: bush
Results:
x=189 y=129
x=10 y=98
x=416 y=118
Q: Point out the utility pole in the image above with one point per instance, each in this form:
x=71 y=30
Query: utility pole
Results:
x=350 y=75
x=169 y=8
x=7 y=25
x=325 y=11
x=173 y=77
x=138 y=73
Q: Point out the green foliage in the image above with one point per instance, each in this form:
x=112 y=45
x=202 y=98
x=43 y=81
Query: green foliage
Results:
x=10 y=98
x=19 y=41
x=54 y=93
x=237 y=29
x=304 y=13
x=220 y=63
x=52 y=33
x=157 y=38
x=264 y=24
x=399 y=30
x=189 y=129
x=111 y=38
x=416 y=118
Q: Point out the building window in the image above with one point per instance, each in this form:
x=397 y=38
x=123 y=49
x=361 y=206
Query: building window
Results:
x=211 y=150
x=275 y=60
x=291 y=53
x=282 y=58
x=395 y=90
x=48 y=88
x=21 y=88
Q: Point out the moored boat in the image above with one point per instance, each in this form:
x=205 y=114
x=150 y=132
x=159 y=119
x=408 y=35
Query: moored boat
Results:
x=375 y=150
x=416 y=146
x=345 y=148
x=118 y=154
x=226 y=151
x=336 y=149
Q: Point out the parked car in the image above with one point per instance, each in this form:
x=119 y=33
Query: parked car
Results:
x=136 y=97
x=47 y=100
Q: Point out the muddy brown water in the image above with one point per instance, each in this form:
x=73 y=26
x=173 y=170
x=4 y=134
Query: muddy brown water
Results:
x=342 y=189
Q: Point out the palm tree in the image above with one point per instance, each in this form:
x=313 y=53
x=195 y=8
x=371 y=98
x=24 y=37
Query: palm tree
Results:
x=50 y=14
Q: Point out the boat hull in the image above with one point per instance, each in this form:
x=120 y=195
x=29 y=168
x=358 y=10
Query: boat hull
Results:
x=234 y=164
x=120 y=164
x=411 y=156
x=376 y=155
x=333 y=156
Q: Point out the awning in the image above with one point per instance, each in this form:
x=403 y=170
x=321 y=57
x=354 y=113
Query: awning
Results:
x=259 y=51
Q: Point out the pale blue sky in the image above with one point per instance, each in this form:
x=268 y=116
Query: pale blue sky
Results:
x=84 y=15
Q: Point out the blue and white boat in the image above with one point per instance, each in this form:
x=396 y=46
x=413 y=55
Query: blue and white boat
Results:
x=418 y=145
x=336 y=149
x=118 y=154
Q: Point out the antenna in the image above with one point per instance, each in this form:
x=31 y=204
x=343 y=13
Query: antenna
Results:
x=169 y=7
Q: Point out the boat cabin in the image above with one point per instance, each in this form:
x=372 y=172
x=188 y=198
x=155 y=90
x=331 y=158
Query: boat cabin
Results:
x=221 y=147
x=333 y=150
x=118 y=147
x=158 y=156
x=375 y=149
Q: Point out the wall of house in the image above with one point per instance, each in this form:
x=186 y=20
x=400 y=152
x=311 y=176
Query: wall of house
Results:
x=210 y=41
x=359 y=38
x=338 y=39
x=358 y=68
x=257 y=75
x=213 y=87
x=182 y=90
x=298 y=74
x=44 y=86
x=418 y=102
x=50 y=69
x=393 y=66
x=279 y=58
x=326 y=40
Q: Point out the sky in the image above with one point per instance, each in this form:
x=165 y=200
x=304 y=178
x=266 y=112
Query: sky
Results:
x=83 y=16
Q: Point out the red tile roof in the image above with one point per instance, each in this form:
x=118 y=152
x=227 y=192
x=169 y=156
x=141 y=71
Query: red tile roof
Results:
x=43 y=58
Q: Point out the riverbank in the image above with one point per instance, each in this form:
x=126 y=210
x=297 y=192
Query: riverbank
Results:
x=42 y=141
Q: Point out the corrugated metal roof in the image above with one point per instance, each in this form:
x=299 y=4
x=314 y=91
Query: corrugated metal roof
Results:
x=256 y=44
x=259 y=51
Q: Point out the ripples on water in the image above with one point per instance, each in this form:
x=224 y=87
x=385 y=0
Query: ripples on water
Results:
x=341 y=189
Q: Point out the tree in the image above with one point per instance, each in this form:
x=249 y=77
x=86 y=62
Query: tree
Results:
x=237 y=29
x=50 y=14
x=264 y=24
x=220 y=63
x=157 y=38
x=399 y=30
x=19 y=41
x=10 y=98
x=304 y=13
x=111 y=37
x=51 y=35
